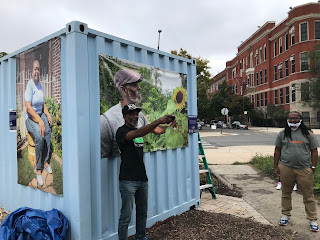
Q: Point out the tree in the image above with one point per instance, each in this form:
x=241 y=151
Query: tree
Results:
x=204 y=80
x=277 y=113
x=2 y=54
x=314 y=81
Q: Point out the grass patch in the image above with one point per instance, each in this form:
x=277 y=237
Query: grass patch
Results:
x=25 y=168
x=57 y=176
x=265 y=164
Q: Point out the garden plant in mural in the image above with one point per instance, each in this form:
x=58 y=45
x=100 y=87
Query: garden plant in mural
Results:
x=163 y=92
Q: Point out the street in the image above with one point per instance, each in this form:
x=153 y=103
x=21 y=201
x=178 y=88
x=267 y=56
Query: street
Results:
x=238 y=137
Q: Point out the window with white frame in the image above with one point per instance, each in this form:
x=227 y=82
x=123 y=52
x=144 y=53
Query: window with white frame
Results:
x=276 y=96
x=305 y=95
x=248 y=81
x=261 y=99
x=265 y=98
x=261 y=82
x=234 y=72
x=251 y=59
x=293 y=64
x=265 y=52
x=286 y=65
x=280 y=45
x=257 y=78
x=244 y=66
x=303 y=31
x=252 y=99
x=281 y=95
x=280 y=71
x=291 y=32
x=304 y=61
x=275 y=72
x=275 y=48
x=260 y=55
x=246 y=62
x=256 y=56
x=252 y=80
x=265 y=75
x=287 y=95
x=317 y=29
x=258 y=101
x=286 y=42
x=293 y=92
x=235 y=88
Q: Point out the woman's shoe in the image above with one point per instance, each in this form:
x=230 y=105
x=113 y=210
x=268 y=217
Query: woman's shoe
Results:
x=48 y=168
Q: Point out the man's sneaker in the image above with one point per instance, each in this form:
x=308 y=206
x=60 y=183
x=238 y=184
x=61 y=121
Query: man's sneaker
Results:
x=284 y=220
x=39 y=179
x=295 y=188
x=314 y=227
x=278 y=186
x=49 y=169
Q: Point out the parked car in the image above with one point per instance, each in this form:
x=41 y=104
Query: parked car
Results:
x=239 y=125
x=202 y=123
x=199 y=126
x=223 y=124
x=214 y=122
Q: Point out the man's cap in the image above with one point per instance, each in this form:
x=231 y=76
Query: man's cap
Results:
x=129 y=108
x=125 y=76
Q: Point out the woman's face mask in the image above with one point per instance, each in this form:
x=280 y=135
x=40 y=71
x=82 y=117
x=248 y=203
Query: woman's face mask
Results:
x=294 y=126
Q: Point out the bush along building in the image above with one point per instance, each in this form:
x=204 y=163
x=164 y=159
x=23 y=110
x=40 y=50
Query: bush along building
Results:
x=272 y=65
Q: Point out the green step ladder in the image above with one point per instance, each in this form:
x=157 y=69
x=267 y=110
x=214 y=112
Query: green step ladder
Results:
x=202 y=156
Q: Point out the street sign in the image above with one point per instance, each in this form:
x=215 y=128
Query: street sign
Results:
x=224 y=111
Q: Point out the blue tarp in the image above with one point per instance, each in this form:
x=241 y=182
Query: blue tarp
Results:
x=28 y=224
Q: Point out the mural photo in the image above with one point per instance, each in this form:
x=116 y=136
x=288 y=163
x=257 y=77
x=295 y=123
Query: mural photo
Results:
x=39 y=129
x=159 y=92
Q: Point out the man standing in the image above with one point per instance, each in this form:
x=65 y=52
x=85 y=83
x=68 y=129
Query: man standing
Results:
x=133 y=182
x=292 y=164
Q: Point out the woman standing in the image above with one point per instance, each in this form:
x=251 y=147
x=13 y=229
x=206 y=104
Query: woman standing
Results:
x=37 y=121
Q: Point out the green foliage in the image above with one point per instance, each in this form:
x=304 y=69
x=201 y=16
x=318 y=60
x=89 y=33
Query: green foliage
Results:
x=25 y=169
x=314 y=81
x=56 y=131
x=265 y=164
x=57 y=176
x=204 y=80
x=2 y=54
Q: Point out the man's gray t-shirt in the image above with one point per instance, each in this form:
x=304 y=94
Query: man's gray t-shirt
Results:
x=295 y=152
x=110 y=121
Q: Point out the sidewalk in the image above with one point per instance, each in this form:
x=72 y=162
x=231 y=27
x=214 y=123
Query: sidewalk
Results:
x=261 y=201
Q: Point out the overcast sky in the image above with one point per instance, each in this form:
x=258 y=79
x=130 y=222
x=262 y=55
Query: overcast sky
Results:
x=212 y=29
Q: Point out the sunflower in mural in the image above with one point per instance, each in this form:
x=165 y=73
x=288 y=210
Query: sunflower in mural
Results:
x=179 y=96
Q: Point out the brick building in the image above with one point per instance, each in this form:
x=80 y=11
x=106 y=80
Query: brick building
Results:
x=270 y=66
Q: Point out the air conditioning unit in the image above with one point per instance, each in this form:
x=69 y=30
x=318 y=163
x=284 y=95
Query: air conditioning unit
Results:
x=293 y=88
x=280 y=66
x=291 y=31
x=292 y=58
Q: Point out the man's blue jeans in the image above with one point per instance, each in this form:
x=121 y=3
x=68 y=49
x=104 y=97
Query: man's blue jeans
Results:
x=130 y=191
x=42 y=144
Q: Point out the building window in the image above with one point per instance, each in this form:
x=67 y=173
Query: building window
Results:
x=265 y=52
x=281 y=95
x=293 y=64
x=246 y=62
x=286 y=42
x=258 y=103
x=243 y=64
x=265 y=98
x=256 y=56
x=318 y=116
x=275 y=48
x=257 y=78
x=261 y=99
x=252 y=80
x=276 y=96
x=234 y=72
x=280 y=71
x=280 y=45
x=265 y=75
x=260 y=55
x=303 y=31
x=251 y=59
x=252 y=99
x=287 y=95
x=248 y=81
x=304 y=61
x=306 y=116
x=261 y=82
x=305 y=91
x=317 y=29
x=275 y=72
x=293 y=93
x=286 y=65
x=235 y=88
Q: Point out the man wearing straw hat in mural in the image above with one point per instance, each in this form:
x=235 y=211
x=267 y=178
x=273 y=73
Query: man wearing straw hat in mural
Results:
x=133 y=180
x=37 y=121
x=126 y=83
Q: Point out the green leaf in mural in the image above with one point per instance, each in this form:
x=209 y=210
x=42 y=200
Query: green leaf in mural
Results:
x=171 y=108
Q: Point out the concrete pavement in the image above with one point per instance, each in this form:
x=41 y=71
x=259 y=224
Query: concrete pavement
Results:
x=261 y=201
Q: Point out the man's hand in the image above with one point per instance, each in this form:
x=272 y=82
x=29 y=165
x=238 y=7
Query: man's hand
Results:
x=166 y=119
x=42 y=127
x=277 y=172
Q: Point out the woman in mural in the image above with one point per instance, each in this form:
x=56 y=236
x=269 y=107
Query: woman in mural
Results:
x=38 y=120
